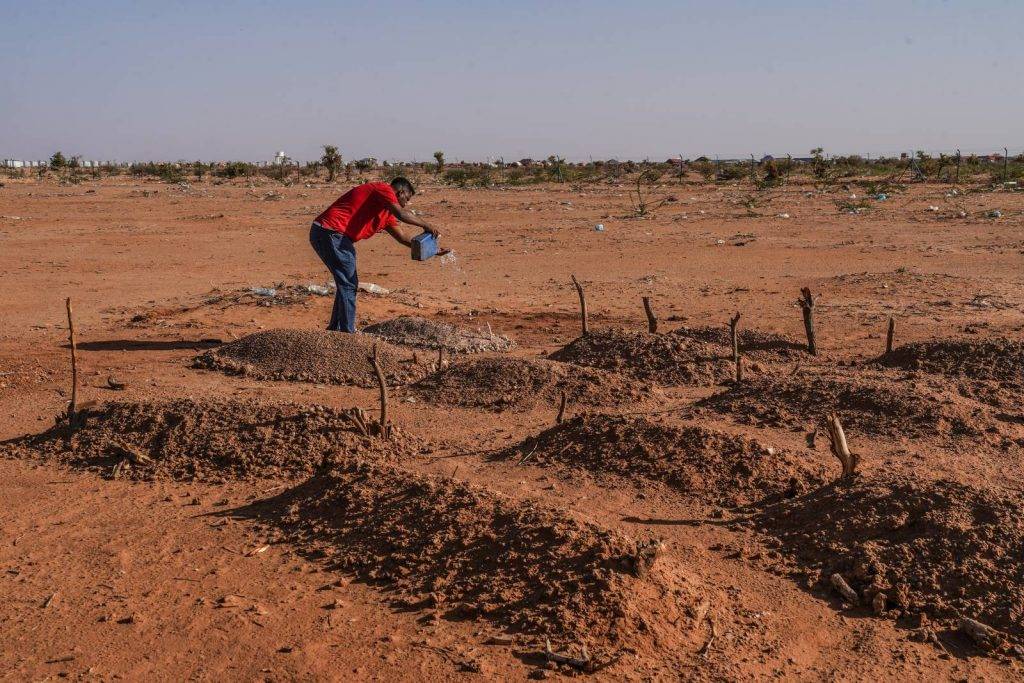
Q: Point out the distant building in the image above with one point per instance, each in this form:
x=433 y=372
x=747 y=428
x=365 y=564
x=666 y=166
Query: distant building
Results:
x=280 y=158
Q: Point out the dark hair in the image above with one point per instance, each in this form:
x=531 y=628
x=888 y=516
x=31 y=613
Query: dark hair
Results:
x=401 y=183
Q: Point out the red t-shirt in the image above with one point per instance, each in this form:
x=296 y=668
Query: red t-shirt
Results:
x=361 y=212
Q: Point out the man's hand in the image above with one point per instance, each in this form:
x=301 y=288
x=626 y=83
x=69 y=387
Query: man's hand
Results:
x=432 y=230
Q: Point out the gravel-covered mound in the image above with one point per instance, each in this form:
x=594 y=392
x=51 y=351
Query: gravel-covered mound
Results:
x=937 y=547
x=667 y=359
x=461 y=551
x=312 y=356
x=409 y=330
x=872 y=405
x=997 y=359
x=504 y=383
x=712 y=465
x=189 y=439
x=763 y=346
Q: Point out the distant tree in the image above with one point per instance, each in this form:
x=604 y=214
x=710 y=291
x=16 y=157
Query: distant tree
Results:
x=58 y=161
x=819 y=165
x=556 y=163
x=198 y=169
x=331 y=161
x=439 y=157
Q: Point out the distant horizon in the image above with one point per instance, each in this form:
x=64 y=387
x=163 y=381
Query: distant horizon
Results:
x=509 y=160
x=139 y=80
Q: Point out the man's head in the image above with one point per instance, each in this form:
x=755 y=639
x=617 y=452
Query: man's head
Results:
x=403 y=190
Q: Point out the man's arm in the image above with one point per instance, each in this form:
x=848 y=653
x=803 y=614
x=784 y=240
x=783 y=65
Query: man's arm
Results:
x=400 y=237
x=408 y=217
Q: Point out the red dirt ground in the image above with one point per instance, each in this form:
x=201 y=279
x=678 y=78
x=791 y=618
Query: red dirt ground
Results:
x=212 y=564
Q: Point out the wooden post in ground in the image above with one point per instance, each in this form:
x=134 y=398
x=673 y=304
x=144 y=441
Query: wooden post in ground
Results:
x=73 y=405
x=734 y=335
x=958 y=157
x=890 y=335
x=383 y=423
x=583 y=306
x=735 y=338
x=440 y=358
x=652 y=322
x=840 y=449
x=561 y=410
x=806 y=302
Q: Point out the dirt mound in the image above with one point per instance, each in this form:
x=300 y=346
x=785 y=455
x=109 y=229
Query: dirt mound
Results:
x=465 y=552
x=311 y=356
x=939 y=547
x=714 y=465
x=187 y=439
x=410 y=330
x=505 y=383
x=767 y=346
x=668 y=359
x=997 y=359
x=871 y=405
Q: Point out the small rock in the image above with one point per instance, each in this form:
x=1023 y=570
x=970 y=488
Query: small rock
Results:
x=229 y=600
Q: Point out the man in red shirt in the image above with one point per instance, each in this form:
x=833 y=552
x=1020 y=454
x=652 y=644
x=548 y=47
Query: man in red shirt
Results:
x=360 y=213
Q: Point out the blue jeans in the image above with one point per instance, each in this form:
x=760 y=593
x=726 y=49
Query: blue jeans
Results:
x=339 y=255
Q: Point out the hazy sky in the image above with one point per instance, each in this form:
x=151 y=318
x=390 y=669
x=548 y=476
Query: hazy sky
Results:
x=398 y=80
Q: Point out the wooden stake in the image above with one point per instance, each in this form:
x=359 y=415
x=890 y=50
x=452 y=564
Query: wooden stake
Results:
x=440 y=358
x=890 y=335
x=739 y=369
x=840 y=448
x=733 y=322
x=843 y=588
x=806 y=302
x=652 y=322
x=583 y=305
x=561 y=410
x=383 y=424
x=73 y=406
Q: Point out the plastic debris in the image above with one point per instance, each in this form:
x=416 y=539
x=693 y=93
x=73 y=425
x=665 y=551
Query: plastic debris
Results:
x=881 y=196
x=319 y=290
x=994 y=213
x=264 y=291
x=371 y=288
x=783 y=215
x=599 y=227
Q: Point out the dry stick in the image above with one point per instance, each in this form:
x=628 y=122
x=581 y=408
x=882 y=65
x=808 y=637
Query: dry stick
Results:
x=561 y=411
x=583 y=305
x=383 y=393
x=806 y=302
x=73 y=406
x=581 y=663
x=840 y=448
x=652 y=322
x=440 y=357
x=733 y=322
x=890 y=335
x=736 y=360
